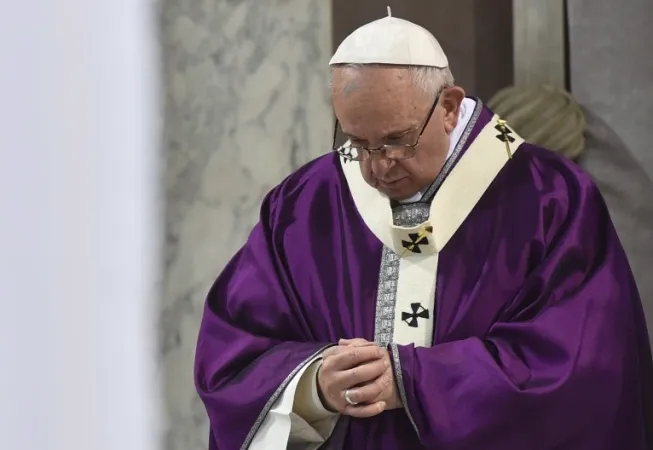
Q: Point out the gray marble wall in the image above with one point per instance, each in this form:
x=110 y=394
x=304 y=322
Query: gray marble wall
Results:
x=247 y=102
x=611 y=67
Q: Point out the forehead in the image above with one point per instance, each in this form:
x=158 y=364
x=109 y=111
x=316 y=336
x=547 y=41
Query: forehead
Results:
x=371 y=80
x=371 y=101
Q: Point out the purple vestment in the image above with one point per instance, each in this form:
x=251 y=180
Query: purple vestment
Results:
x=539 y=337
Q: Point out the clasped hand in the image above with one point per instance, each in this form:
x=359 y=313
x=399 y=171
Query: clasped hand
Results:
x=364 y=370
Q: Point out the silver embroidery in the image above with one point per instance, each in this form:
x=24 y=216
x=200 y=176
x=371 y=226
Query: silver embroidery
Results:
x=399 y=377
x=411 y=215
x=274 y=397
x=385 y=297
x=414 y=214
x=408 y=215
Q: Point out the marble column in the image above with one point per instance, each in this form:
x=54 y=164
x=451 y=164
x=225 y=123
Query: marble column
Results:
x=247 y=102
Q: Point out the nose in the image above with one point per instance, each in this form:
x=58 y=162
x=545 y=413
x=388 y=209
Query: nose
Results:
x=380 y=164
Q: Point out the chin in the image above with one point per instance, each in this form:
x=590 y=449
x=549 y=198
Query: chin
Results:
x=399 y=194
x=403 y=190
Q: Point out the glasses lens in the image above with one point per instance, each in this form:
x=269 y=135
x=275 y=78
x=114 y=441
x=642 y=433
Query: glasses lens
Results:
x=351 y=153
x=399 y=151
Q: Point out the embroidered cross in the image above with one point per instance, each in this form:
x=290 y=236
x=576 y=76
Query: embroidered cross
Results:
x=505 y=135
x=346 y=153
x=418 y=312
x=416 y=239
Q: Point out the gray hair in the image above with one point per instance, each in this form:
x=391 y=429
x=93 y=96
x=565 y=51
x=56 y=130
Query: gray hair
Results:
x=429 y=80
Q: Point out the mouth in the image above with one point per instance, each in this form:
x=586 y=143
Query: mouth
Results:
x=391 y=183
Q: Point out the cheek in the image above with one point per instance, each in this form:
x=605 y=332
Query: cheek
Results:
x=410 y=166
x=366 y=171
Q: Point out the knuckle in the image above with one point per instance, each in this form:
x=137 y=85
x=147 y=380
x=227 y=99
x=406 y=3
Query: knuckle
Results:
x=370 y=393
x=355 y=373
x=330 y=353
x=339 y=378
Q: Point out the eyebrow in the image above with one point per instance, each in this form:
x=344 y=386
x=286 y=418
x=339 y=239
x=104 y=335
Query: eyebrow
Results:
x=392 y=134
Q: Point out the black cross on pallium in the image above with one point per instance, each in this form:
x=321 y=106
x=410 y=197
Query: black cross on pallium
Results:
x=418 y=312
x=417 y=239
x=504 y=134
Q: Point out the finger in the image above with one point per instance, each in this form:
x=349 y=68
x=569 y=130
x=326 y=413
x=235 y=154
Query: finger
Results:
x=365 y=411
x=369 y=392
x=358 y=342
x=343 y=344
x=362 y=374
x=354 y=356
x=330 y=351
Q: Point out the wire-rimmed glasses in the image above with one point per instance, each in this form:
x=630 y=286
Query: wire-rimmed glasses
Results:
x=396 y=152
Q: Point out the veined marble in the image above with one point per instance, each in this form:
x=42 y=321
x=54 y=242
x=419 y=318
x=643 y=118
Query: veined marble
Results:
x=247 y=102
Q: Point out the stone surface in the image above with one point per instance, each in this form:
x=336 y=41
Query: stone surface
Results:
x=611 y=68
x=247 y=102
x=539 y=42
x=628 y=192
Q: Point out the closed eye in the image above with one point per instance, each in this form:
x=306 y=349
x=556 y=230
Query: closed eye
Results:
x=399 y=135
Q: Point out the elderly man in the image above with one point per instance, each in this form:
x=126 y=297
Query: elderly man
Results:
x=435 y=283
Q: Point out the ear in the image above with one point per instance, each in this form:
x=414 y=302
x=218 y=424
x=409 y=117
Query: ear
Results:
x=451 y=99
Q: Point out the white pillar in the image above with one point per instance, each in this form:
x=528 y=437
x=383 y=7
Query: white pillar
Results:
x=78 y=225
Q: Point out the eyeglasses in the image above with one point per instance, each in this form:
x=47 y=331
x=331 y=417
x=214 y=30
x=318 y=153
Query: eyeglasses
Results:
x=396 y=152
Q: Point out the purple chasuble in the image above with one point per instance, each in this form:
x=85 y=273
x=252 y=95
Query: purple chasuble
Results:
x=539 y=340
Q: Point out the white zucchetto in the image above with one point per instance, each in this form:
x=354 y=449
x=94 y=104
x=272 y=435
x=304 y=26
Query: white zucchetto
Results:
x=391 y=41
